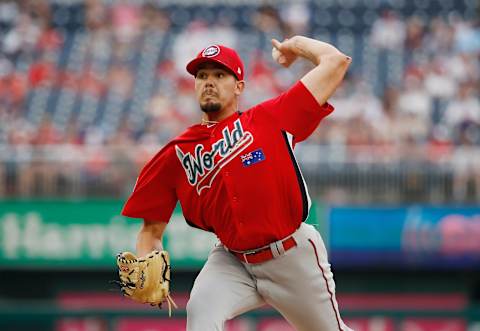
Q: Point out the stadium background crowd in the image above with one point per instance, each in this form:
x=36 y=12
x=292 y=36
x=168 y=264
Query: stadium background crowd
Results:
x=91 y=89
x=105 y=82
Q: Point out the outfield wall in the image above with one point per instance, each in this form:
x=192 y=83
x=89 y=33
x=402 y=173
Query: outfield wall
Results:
x=89 y=234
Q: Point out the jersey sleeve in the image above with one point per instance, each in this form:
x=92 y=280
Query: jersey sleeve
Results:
x=296 y=111
x=154 y=196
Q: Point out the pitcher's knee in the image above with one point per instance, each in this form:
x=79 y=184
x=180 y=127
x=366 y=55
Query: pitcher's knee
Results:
x=203 y=314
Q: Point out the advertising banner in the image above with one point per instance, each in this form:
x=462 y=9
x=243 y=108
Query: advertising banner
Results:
x=86 y=234
x=417 y=236
x=89 y=234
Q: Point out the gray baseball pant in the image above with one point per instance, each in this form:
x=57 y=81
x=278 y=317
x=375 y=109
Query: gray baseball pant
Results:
x=299 y=284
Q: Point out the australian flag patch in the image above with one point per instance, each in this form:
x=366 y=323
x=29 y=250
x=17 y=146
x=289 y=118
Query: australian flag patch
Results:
x=252 y=157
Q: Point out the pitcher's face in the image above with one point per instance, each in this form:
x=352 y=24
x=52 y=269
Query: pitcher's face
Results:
x=215 y=87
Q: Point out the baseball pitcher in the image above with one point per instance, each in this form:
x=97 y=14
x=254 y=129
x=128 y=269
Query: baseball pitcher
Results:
x=235 y=175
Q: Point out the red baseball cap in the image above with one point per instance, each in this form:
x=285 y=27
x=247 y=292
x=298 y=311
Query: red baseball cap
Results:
x=223 y=55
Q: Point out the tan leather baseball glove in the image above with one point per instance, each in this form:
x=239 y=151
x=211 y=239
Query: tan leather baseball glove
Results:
x=146 y=279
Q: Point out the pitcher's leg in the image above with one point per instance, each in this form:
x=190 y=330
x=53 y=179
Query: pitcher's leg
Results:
x=222 y=290
x=300 y=285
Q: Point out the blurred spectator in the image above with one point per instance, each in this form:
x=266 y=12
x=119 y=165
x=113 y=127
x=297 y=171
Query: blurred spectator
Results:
x=433 y=106
x=464 y=108
x=388 y=32
x=467 y=158
x=22 y=37
x=120 y=80
x=71 y=135
x=463 y=67
x=414 y=99
x=96 y=14
x=99 y=34
x=196 y=36
x=94 y=136
x=440 y=86
x=414 y=33
x=43 y=72
x=467 y=37
x=115 y=31
x=269 y=22
x=440 y=145
x=8 y=13
x=185 y=102
x=154 y=19
x=92 y=83
x=47 y=133
x=440 y=38
x=296 y=16
x=49 y=40
x=126 y=21
x=19 y=132
x=368 y=104
x=13 y=85
x=261 y=84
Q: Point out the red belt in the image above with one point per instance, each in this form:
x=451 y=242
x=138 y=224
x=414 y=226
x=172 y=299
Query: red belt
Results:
x=265 y=254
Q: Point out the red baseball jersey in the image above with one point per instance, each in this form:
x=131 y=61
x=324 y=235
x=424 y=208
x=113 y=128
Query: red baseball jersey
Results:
x=239 y=178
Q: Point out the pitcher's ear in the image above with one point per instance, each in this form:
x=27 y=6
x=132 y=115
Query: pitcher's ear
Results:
x=240 y=85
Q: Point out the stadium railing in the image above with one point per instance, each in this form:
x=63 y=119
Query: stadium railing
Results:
x=353 y=174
